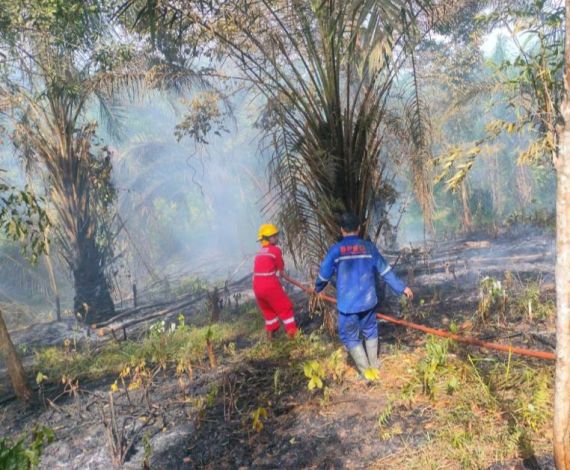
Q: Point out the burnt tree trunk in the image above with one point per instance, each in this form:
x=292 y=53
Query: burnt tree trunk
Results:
x=92 y=295
x=561 y=426
x=214 y=304
x=13 y=363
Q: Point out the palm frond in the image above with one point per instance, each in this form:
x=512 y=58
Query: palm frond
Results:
x=326 y=70
x=111 y=114
x=421 y=158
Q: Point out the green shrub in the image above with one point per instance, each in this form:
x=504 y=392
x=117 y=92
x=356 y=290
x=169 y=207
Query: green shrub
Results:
x=530 y=303
x=540 y=217
x=18 y=456
x=435 y=359
x=492 y=297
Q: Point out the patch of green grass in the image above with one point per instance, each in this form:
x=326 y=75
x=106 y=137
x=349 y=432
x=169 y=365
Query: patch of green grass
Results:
x=512 y=299
x=297 y=350
x=310 y=359
x=164 y=344
x=531 y=304
x=497 y=409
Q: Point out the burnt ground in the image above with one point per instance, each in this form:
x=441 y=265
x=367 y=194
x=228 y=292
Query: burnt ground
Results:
x=207 y=422
x=446 y=280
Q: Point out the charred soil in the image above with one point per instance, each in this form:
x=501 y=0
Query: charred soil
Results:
x=158 y=401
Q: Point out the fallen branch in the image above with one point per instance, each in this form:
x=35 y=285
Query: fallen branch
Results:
x=172 y=309
x=543 y=340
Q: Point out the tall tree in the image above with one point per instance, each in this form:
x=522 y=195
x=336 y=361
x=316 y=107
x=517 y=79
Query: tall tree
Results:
x=58 y=59
x=562 y=164
x=21 y=219
x=325 y=70
x=539 y=75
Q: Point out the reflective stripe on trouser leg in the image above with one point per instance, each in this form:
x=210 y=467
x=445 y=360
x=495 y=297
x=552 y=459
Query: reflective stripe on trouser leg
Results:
x=272 y=324
x=290 y=325
x=283 y=308
x=271 y=321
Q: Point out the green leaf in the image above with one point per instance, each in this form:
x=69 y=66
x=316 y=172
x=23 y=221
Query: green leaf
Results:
x=452 y=385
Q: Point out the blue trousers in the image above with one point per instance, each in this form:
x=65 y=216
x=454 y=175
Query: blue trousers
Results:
x=351 y=325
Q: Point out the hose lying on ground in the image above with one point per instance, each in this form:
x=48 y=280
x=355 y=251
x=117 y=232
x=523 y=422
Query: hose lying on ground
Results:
x=445 y=334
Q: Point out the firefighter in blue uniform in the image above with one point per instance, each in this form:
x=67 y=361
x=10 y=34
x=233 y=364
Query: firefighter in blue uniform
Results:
x=356 y=262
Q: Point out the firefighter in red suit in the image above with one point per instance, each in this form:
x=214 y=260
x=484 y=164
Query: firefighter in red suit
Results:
x=272 y=300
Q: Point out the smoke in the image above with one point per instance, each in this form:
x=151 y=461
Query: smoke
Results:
x=182 y=209
x=186 y=209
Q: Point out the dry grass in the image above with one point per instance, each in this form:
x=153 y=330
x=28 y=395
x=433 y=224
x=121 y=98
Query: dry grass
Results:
x=439 y=407
x=166 y=344
x=481 y=411
x=513 y=299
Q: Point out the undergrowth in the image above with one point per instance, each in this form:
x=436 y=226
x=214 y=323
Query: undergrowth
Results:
x=482 y=410
x=175 y=343
x=466 y=411
x=25 y=453
x=511 y=300
x=307 y=357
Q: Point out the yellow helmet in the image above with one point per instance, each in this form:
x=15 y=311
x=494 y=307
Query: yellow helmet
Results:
x=266 y=231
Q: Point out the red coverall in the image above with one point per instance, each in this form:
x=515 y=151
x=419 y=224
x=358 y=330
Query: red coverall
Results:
x=271 y=298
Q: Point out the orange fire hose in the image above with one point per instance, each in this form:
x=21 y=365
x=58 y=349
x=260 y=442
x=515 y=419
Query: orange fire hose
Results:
x=434 y=331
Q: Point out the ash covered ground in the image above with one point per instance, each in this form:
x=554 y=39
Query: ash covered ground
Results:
x=206 y=421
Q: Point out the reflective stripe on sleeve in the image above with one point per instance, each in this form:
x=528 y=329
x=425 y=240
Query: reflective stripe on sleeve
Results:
x=271 y=322
x=322 y=278
x=342 y=258
x=289 y=320
x=386 y=271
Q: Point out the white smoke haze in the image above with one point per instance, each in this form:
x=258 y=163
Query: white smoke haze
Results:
x=190 y=211
x=183 y=210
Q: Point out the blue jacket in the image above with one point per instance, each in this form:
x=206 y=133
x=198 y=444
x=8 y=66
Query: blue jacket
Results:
x=355 y=263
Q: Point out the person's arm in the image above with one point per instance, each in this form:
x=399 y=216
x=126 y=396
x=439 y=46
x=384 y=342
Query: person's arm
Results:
x=327 y=270
x=279 y=263
x=385 y=270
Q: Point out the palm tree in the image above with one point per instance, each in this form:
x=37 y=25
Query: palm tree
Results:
x=56 y=64
x=326 y=70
